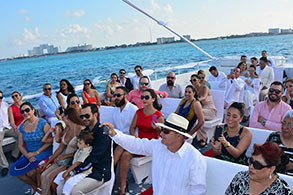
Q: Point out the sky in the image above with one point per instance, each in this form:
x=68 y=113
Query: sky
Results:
x=28 y=23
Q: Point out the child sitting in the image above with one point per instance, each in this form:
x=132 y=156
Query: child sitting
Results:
x=67 y=179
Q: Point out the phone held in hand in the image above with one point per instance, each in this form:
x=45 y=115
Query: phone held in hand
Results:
x=218 y=132
x=154 y=118
x=61 y=110
x=105 y=129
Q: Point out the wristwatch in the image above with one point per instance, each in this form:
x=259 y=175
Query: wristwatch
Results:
x=71 y=173
x=263 y=122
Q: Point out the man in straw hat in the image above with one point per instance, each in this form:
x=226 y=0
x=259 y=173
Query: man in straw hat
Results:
x=177 y=167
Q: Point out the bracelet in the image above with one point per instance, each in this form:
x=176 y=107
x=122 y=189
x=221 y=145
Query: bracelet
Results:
x=228 y=145
x=37 y=152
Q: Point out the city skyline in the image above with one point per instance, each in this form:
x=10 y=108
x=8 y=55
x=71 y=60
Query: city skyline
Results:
x=112 y=22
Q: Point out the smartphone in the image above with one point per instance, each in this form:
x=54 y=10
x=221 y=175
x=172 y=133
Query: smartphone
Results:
x=218 y=132
x=231 y=71
x=154 y=118
x=61 y=110
x=105 y=129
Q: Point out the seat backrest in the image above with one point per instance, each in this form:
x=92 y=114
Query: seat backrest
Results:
x=106 y=113
x=169 y=105
x=259 y=136
x=218 y=97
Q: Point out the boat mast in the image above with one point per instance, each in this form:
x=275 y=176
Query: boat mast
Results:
x=169 y=29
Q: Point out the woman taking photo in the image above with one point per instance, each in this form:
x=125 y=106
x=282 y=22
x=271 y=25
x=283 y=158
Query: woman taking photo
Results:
x=90 y=93
x=65 y=89
x=208 y=107
x=261 y=178
x=235 y=139
x=33 y=150
x=110 y=88
x=288 y=97
x=190 y=108
x=285 y=139
x=144 y=120
x=64 y=153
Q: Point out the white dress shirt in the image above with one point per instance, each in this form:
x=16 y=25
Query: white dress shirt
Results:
x=267 y=76
x=180 y=173
x=220 y=79
x=4 y=121
x=122 y=119
x=235 y=90
x=135 y=82
x=49 y=105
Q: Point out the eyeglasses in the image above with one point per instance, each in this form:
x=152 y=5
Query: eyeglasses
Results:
x=1 y=97
x=193 y=80
x=74 y=102
x=117 y=95
x=142 y=83
x=86 y=83
x=87 y=116
x=48 y=89
x=137 y=70
x=257 y=165
x=165 y=131
x=27 y=110
x=14 y=96
x=168 y=77
x=201 y=77
x=122 y=72
x=284 y=124
x=146 y=97
x=277 y=91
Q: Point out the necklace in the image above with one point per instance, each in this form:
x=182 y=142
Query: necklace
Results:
x=31 y=123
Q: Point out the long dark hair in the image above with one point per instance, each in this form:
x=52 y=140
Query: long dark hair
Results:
x=92 y=86
x=193 y=89
x=70 y=88
x=71 y=95
x=29 y=105
x=73 y=116
x=156 y=104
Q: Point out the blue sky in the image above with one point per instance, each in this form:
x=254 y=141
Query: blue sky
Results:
x=29 y=23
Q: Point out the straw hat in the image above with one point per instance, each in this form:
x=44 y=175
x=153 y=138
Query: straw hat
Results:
x=176 y=123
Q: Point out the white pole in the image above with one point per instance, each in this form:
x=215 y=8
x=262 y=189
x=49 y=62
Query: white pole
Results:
x=164 y=25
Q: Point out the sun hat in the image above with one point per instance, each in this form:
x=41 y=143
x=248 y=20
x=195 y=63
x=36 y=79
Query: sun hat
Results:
x=176 y=123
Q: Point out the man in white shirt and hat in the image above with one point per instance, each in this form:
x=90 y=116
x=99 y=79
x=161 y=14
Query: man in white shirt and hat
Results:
x=177 y=167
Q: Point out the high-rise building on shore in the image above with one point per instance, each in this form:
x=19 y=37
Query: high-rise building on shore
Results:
x=85 y=47
x=43 y=49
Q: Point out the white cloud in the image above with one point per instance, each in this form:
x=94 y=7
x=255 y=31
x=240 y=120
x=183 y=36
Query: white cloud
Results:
x=75 y=28
x=118 y=27
x=28 y=19
x=74 y=13
x=31 y=36
x=18 y=42
x=154 y=4
x=23 y=11
x=168 y=9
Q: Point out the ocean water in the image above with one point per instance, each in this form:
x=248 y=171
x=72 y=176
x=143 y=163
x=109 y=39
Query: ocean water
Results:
x=28 y=75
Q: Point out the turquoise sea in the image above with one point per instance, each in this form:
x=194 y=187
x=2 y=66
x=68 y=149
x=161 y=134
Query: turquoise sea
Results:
x=28 y=75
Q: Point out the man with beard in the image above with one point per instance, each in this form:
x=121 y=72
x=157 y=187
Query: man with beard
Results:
x=268 y=114
x=174 y=90
x=122 y=116
x=99 y=160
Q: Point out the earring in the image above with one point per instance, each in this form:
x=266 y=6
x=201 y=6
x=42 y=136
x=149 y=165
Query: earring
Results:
x=270 y=177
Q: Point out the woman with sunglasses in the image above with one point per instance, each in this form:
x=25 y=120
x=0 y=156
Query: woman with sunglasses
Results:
x=15 y=117
x=90 y=94
x=33 y=150
x=110 y=89
x=74 y=102
x=201 y=75
x=144 y=120
x=262 y=177
x=285 y=139
x=64 y=153
x=65 y=89
x=288 y=97
x=190 y=108
x=208 y=107
x=234 y=139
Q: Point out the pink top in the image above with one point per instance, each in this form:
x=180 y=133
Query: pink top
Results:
x=134 y=97
x=273 y=117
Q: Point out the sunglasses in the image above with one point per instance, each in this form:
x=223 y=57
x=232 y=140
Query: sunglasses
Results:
x=193 y=80
x=142 y=83
x=87 y=116
x=277 y=91
x=122 y=72
x=14 y=96
x=86 y=83
x=138 y=70
x=117 y=95
x=74 y=102
x=146 y=97
x=27 y=110
x=284 y=124
x=165 y=131
x=168 y=77
x=47 y=89
x=257 y=165
x=201 y=77
x=1 y=97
